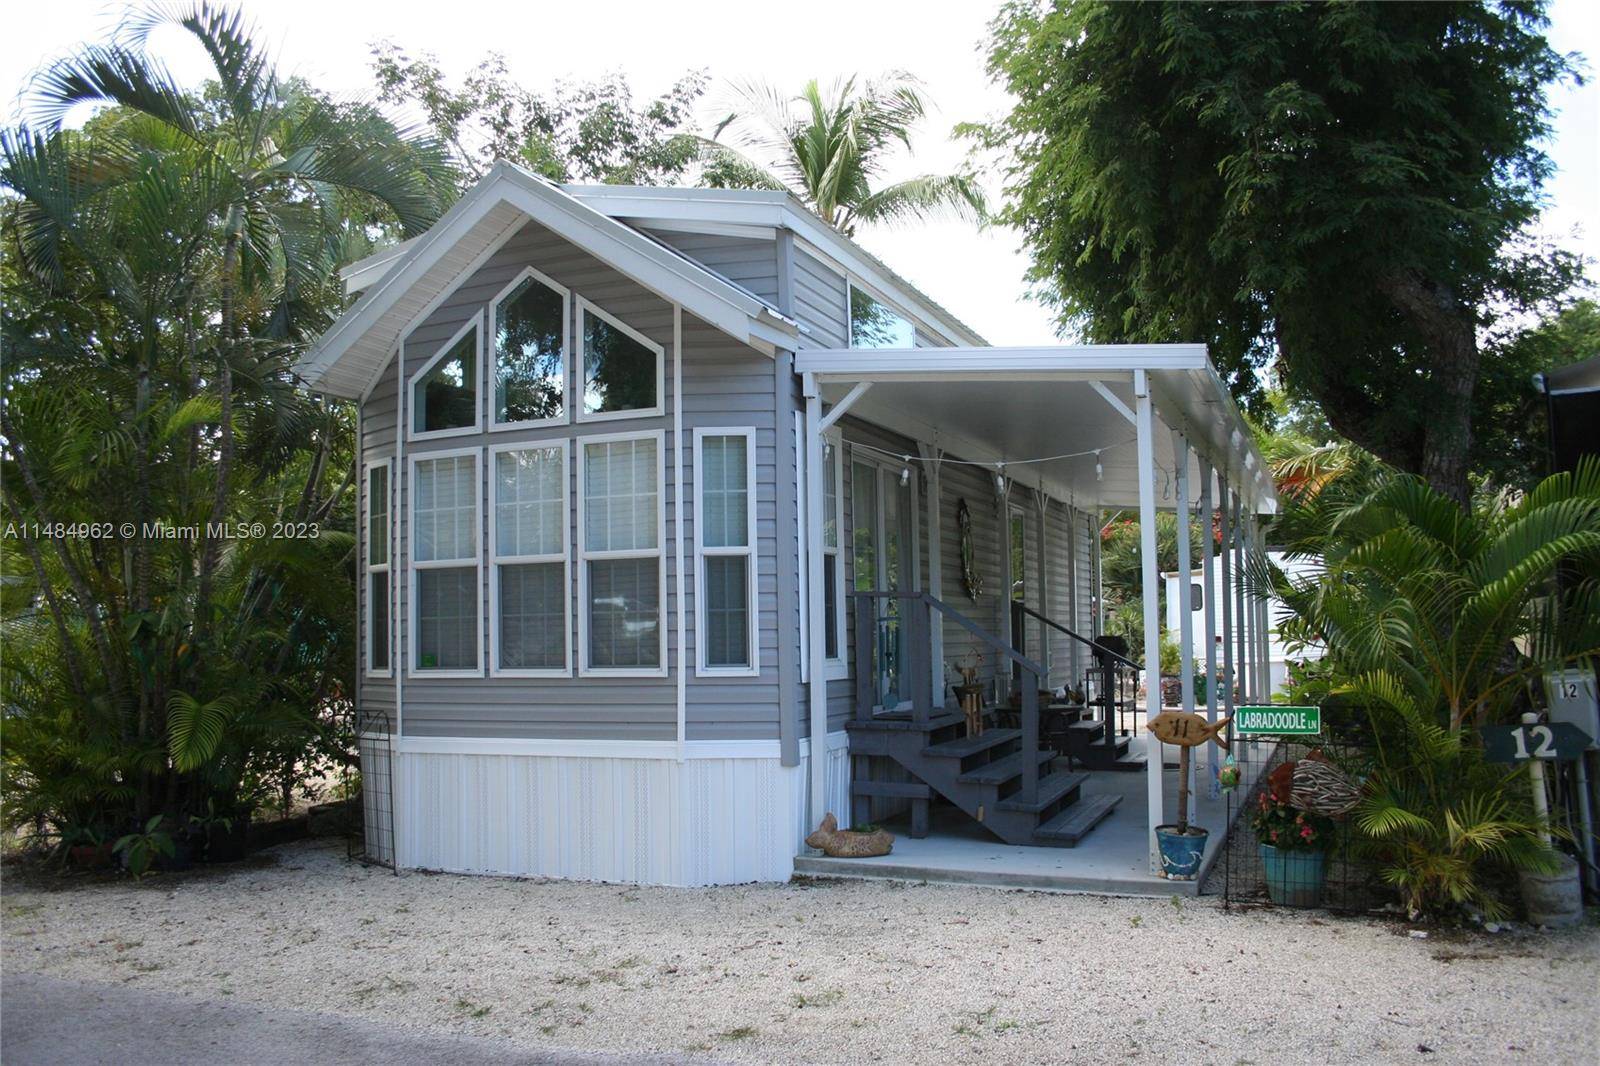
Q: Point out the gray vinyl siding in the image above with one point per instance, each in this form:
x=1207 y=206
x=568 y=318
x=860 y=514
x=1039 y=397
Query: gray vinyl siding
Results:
x=726 y=385
x=375 y=699
x=745 y=261
x=1063 y=528
x=976 y=486
x=820 y=303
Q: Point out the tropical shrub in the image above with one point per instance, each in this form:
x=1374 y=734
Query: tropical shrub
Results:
x=179 y=552
x=1437 y=621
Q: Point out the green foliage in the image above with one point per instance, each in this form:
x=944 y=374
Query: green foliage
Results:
x=162 y=268
x=1121 y=579
x=829 y=147
x=1343 y=190
x=590 y=131
x=141 y=848
x=1435 y=623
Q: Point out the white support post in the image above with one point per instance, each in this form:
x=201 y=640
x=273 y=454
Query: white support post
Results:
x=1225 y=595
x=1209 y=619
x=1149 y=586
x=1041 y=504
x=1241 y=620
x=930 y=465
x=1264 y=614
x=1180 y=454
x=1002 y=506
x=818 y=687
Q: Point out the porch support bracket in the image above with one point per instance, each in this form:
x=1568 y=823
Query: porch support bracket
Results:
x=838 y=410
x=1114 y=400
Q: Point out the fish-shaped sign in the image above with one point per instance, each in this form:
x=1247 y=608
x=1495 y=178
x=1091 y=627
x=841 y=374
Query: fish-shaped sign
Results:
x=1187 y=729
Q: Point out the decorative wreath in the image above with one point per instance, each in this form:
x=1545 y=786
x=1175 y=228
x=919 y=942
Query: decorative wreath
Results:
x=971 y=580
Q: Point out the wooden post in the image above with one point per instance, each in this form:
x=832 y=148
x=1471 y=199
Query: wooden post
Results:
x=1030 y=736
x=914 y=616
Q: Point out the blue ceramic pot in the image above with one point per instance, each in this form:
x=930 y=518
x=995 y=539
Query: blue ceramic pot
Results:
x=1294 y=878
x=1181 y=852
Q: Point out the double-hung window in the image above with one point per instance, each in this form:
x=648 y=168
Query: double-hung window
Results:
x=379 y=600
x=529 y=579
x=725 y=550
x=446 y=601
x=621 y=571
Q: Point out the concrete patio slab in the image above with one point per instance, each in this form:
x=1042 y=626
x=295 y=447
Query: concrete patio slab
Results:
x=1112 y=860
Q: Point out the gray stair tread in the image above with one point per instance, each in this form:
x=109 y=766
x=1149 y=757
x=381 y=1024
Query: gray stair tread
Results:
x=1005 y=769
x=1076 y=821
x=1051 y=789
x=1088 y=725
x=964 y=746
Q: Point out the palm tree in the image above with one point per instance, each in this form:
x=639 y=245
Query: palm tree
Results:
x=1437 y=623
x=830 y=146
x=268 y=169
x=163 y=265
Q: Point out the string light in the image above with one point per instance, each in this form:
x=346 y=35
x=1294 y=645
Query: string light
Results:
x=1099 y=471
x=905 y=474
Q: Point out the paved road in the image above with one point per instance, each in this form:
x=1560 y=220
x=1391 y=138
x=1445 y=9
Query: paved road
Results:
x=45 y=1021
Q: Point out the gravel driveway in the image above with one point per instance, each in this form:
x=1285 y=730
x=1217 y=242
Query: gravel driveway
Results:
x=817 y=972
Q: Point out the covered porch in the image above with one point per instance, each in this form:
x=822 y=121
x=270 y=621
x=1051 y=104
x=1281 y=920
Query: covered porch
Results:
x=1055 y=778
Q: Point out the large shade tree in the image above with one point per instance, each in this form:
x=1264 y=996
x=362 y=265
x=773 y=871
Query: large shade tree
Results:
x=1344 y=188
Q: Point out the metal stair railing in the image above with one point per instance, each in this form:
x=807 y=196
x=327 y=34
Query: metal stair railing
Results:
x=916 y=615
x=1110 y=663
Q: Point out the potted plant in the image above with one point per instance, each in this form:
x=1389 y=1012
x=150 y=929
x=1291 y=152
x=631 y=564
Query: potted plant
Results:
x=1182 y=846
x=1294 y=847
x=86 y=847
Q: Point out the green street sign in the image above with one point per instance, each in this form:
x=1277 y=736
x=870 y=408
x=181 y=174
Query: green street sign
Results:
x=1545 y=740
x=1283 y=721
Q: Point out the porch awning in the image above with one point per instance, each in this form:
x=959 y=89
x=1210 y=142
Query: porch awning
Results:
x=1039 y=415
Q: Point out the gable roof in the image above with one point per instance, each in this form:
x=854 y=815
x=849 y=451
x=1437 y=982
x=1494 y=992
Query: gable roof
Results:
x=414 y=277
x=653 y=206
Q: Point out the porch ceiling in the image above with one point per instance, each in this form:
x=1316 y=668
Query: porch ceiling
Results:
x=1005 y=405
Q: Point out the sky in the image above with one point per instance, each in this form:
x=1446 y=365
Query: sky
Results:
x=978 y=275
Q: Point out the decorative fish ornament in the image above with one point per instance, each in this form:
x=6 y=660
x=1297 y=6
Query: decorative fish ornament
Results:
x=1187 y=729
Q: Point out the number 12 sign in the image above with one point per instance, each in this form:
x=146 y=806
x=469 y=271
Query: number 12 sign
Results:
x=1546 y=740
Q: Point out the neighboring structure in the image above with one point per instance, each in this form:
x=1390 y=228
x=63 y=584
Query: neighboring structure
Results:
x=1278 y=654
x=628 y=452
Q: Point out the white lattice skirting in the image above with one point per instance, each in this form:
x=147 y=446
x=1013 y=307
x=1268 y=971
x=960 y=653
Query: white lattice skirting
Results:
x=728 y=813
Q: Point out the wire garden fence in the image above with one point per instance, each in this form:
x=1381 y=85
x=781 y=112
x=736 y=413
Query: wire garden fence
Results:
x=1321 y=866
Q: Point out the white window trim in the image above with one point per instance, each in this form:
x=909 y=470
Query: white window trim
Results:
x=369 y=568
x=850 y=286
x=836 y=668
x=496 y=560
x=580 y=372
x=416 y=566
x=473 y=323
x=493 y=362
x=659 y=553
x=701 y=551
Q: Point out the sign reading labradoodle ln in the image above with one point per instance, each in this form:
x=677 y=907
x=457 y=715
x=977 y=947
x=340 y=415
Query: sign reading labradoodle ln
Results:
x=1286 y=721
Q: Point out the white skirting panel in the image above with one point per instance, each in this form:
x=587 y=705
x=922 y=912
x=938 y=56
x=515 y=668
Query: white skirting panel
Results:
x=726 y=814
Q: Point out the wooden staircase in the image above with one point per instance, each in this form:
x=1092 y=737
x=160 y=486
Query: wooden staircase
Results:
x=982 y=775
x=1022 y=791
